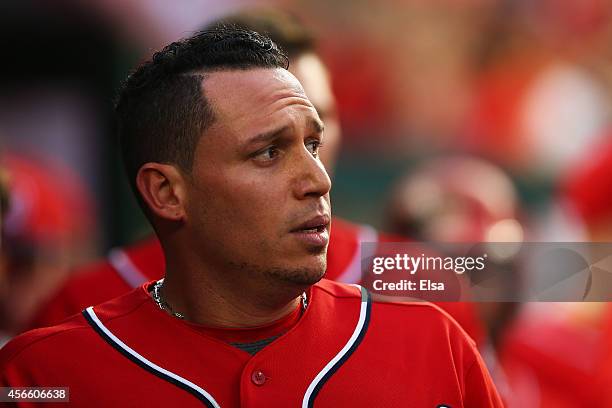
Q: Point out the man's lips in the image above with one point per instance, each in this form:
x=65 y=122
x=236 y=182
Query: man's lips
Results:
x=313 y=233
x=317 y=224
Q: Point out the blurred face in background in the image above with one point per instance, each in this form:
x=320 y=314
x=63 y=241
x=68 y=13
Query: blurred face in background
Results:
x=46 y=230
x=312 y=74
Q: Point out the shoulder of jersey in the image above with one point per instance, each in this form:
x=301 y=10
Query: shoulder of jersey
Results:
x=338 y=290
x=342 y=290
x=396 y=312
x=73 y=328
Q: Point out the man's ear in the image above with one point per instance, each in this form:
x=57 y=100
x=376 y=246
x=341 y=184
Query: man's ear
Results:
x=162 y=187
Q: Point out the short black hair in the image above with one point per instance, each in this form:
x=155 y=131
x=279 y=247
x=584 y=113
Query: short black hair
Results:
x=162 y=109
x=285 y=29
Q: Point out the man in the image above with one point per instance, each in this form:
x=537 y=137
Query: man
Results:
x=221 y=144
x=127 y=268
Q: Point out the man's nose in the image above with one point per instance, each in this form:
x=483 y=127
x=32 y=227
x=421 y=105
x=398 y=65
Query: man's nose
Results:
x=312 y=179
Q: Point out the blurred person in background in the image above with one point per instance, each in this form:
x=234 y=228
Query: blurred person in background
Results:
x=455 y=199
x=542 y=105
x=566 y=347
x=55 y=106
x=459 y=199
x=46 y=230
x=542 y=354
x=464 y=199
x=587 y=191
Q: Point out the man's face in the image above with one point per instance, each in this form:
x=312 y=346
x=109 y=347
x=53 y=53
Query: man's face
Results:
x=310 y=71
x=258 y=195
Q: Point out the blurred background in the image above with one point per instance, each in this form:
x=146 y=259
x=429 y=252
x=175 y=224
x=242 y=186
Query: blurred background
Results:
x=462 y=121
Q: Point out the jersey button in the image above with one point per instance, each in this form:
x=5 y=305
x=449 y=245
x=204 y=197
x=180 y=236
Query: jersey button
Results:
x=258 y=378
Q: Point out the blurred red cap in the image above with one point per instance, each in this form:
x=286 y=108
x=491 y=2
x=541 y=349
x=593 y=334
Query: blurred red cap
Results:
x=588 y=186
x=46 y=201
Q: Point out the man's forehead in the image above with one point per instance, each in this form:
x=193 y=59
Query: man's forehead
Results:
x=257 y=83
x=251 y=101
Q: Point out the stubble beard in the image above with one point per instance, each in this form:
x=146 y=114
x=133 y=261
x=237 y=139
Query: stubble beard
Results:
x=298 y=276
x=274 y=275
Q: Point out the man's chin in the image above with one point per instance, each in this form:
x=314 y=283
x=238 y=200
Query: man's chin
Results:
x=298 y=272
x=300 y=276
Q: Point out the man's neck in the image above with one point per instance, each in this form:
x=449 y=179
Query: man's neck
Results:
x=206 y=302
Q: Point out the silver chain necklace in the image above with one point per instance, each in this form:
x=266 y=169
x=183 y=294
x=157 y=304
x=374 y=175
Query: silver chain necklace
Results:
x=165 y=306
x=161 y=302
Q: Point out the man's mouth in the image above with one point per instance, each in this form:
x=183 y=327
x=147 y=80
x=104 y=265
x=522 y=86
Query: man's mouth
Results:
x=314 y=233
x=317 y=224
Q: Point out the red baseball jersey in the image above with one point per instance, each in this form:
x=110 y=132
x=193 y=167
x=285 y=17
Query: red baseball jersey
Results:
x=128 y=268
x=345 y=351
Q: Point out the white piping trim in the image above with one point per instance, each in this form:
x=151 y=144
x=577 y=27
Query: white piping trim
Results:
x=124 y=266
x=341 y=353
x=352 y=273
x=142 y=359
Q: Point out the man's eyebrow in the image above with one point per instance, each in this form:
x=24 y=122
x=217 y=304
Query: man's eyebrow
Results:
x=267 y=136
x=314 y=124
x=317 y=125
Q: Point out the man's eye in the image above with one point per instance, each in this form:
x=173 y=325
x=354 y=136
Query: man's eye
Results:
x=313 y=147
x=268 y=154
